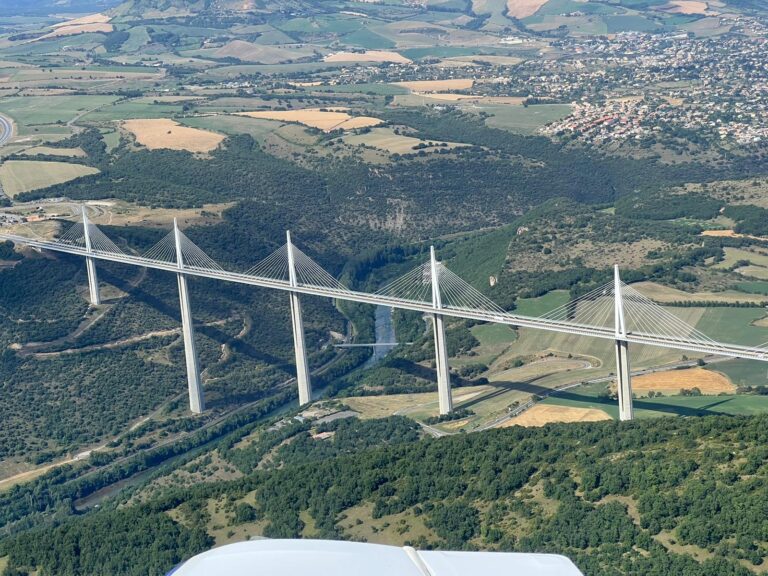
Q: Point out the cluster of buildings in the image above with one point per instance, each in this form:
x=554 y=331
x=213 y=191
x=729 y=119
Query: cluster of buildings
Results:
x=636 y=86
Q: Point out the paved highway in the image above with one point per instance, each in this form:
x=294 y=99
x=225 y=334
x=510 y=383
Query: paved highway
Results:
x=6 y=129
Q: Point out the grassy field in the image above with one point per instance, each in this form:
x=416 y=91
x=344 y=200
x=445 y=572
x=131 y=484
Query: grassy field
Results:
x=753 y=287
x=743 y=372
x=734 y=255
x=29 y=111
x=133 y=109
x=19 y=176
x=543 y=304
x=68 y=152
x=525 y=120
x=734 y=325
x=664 y=294
x=257 y=128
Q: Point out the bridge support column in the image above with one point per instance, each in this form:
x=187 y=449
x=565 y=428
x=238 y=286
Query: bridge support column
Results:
x=194 y=382
x=623 y=378
x=303 y=378
x=441 y=349
x=90 y=265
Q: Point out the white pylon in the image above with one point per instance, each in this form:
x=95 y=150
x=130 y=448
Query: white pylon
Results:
x=303 y=378
x=441 y=349
x=623 y=377
x=196 y=399
x=90 y=264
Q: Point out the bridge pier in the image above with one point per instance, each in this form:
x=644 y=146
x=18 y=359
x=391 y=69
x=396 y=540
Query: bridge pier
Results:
x=445 y=399
x=623 y=377
x=90 y=265
x=194 y=382
x=624 y=380
x=303 y=378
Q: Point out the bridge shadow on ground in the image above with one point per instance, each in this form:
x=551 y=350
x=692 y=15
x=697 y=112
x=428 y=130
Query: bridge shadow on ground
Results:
x=642 y=404
x=211 y=332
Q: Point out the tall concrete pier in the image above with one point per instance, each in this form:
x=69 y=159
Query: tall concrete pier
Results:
x=90 y=265
x=196 y=400
x=441 y=349
x=297 y=323
x=623 y=378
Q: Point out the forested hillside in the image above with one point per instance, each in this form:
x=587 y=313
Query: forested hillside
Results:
x=659 y=497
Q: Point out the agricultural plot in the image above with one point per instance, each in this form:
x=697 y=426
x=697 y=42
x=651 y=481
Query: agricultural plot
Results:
x=673 y=381
x=46 y=150
x=588 y=397
x=324 y=120
x=543 y=414
x=367 y=56
x=523 y=8
x=386 y=139
x=665 y=294
x=742 y=372
x=438 y=85
x=31 y=111
x=164 y=133
x=522 y=119
x=734 y=325
x=263 y=54
x=19 y=176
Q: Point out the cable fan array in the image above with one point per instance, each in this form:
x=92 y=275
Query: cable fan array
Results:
x=416 y=286
x=308 y=272
x=75 y=236
x=642 y=316
x=191 y=255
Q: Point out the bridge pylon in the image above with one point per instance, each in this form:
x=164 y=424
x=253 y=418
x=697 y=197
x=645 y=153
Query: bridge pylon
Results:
x=194 y=381
x=90 y=264
x=441 y=349
x=303 y=378
x=623 y=377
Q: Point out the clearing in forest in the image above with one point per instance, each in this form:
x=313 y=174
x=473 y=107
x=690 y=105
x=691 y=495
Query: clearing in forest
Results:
x=165 y=133
x=386 y=139
x=325 y=120
x=524 y=8
x=438 y=85
x=542 y=414
x=367 y=56
x=672 y=381
x=19 y=176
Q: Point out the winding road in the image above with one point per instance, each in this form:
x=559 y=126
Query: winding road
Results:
x=6 y=129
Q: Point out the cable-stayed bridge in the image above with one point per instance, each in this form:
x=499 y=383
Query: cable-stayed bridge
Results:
x=614 y=311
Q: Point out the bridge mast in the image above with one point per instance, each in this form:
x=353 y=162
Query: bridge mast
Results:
x=300 y=347
x=623 y=379
x=90 y=265
x=441 y=350
x=196 y=400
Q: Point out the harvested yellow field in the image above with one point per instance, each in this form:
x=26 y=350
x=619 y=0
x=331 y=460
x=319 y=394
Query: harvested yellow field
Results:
x=386 y=139
x=90 y=19
x=729 y=234
x=325 y=120
x=19 y=176
x=367 y=56
x=524 y=8
x=438 y=85
x=164 y=133
x=673 y=381
x=447 y=97
x=688 y=7
x=542 y=414
x=77 y=29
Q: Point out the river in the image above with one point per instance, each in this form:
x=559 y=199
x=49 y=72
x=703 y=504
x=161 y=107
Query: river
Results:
x=385 y=332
